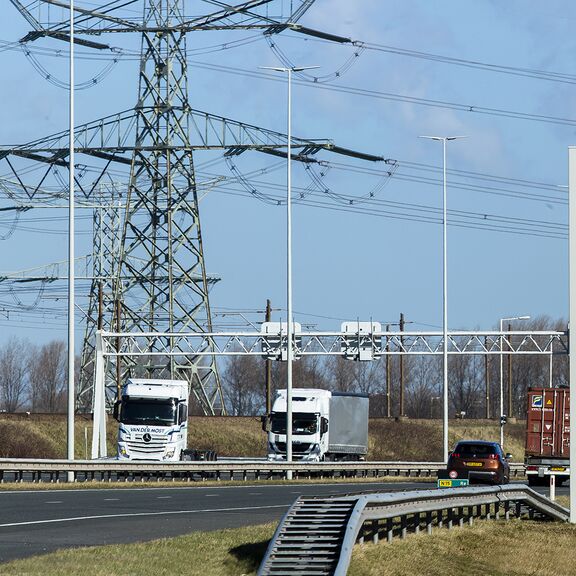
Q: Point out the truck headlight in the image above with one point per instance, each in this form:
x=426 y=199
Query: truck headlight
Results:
x=169 y=453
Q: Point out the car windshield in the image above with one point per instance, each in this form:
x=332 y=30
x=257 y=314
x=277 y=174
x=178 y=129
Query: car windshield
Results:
x=476 y=450
x=301 y=423
x=148 y=412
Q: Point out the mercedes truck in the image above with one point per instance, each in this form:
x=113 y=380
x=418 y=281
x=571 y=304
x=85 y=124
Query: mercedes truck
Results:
x=153 y=420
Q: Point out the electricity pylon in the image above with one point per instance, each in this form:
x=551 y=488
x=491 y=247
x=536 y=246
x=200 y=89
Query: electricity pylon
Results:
x=160 y=279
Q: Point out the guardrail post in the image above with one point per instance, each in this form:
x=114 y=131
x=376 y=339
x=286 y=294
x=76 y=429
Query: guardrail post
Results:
x=450 y=518
x=507 y=510
x=460 y=517
x=375 y=534
x=389 y=529
x=470 y=515
x=440 y=519
x=429 y=522
x=403 y=527
x=497 y=510
x=518 y=509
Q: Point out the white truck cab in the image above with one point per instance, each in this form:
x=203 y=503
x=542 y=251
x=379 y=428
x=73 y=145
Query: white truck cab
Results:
x=310 y=408
x=153 y=417
x=325 y=425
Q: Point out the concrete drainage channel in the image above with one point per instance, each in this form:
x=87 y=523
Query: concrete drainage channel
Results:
x=317 y=535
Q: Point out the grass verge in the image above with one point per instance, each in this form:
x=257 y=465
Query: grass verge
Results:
x=44 y=436
x=220 y=553
x=488 y=548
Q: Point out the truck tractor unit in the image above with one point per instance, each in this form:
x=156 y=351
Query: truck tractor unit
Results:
x=331 y=426
x=547 y=435
x=153 y=417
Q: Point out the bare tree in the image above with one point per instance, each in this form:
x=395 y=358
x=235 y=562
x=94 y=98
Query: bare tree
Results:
x=424 y=380
x=244 y=385
x=13 y=374
x=466 y=383
x=341 y=374
x=47 y=375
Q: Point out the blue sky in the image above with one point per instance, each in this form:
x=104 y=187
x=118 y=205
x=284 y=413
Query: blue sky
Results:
x=348 y=265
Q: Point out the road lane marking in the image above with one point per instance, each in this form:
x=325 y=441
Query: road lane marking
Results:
x=135 y=514
x=54 y=502
x=111 y=499
x=8 y=492
x=163 y=497
x=211 y=495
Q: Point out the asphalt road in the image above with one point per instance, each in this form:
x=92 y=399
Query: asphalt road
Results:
x=36 y=522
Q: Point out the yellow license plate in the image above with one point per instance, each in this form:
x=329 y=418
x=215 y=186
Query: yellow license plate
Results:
x=557 y=469
x=473 y=463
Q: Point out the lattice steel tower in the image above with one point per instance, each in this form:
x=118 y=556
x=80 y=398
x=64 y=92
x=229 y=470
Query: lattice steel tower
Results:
x=162 y=281
x=159 y=276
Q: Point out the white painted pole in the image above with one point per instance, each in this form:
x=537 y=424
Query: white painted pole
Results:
x=572 y=319
x=98 y=430
x=289 y=283
x=551 y=360
x=445 y=309
x=71 y=296
x=444 y=140
x=290 y=331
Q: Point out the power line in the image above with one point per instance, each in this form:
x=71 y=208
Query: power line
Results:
x=469 y=108
x=431 y=215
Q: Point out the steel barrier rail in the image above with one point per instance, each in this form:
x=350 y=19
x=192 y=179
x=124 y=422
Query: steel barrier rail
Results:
x=317 y=535
x=19 y=470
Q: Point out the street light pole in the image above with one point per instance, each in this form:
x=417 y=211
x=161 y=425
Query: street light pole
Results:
x=289 y=334
x=444 y=139
x=502 y=320
x=71 y=296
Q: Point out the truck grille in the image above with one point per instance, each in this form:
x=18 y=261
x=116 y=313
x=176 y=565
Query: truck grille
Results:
x=296 y=448
x=156 y=444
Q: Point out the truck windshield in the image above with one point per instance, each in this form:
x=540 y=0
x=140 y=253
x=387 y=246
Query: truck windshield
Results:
x=301 y=423
x=148 y=412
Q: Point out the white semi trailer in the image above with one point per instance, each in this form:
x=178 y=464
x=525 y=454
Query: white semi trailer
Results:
x=325 y=426
x=153 y=421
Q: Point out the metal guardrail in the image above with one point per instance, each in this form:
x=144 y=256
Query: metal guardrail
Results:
x=19 y=470
x=309 y=537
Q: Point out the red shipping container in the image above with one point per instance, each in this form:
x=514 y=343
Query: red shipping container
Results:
x=548 y=422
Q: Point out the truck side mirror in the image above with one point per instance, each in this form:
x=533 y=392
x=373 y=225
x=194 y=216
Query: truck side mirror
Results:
x=323 y=425
x=116 y=411
x=265 y=423
x=182 y=413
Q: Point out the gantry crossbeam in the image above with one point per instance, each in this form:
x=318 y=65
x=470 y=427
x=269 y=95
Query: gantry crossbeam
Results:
x=338 y=343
